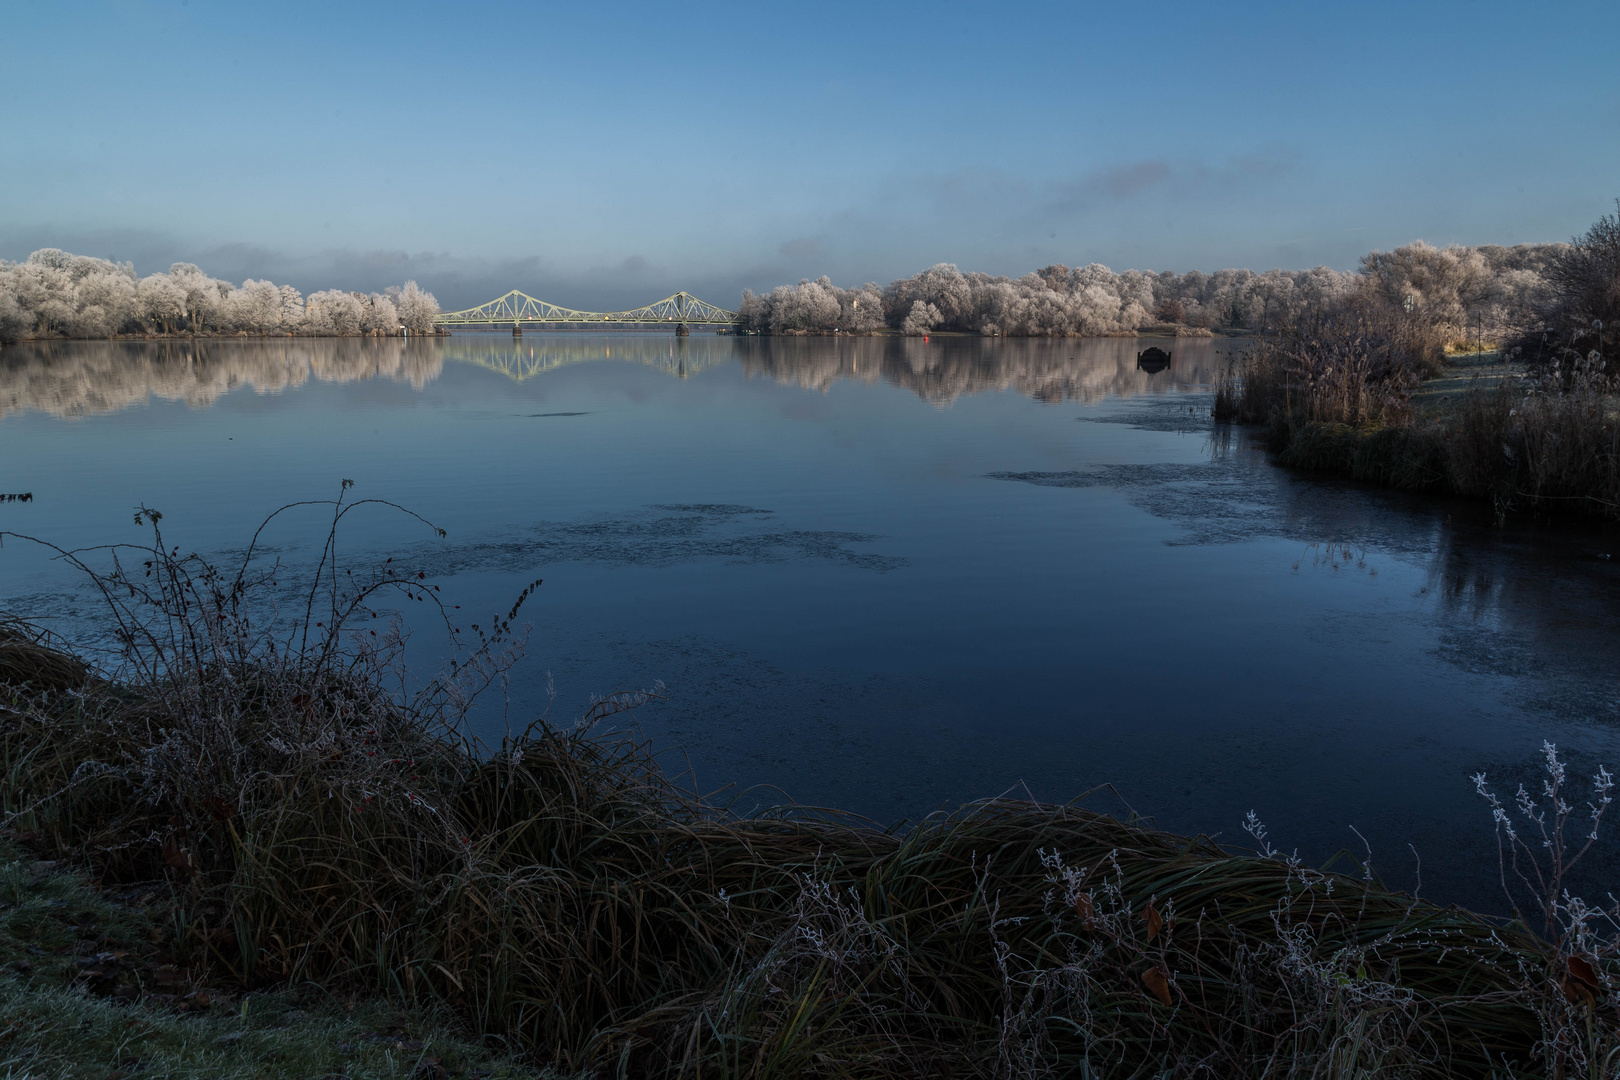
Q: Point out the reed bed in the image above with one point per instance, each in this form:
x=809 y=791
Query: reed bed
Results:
x=1335 y=396
x=316 y=824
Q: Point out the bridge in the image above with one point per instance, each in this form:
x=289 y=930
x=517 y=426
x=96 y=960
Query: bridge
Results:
x=519 y=309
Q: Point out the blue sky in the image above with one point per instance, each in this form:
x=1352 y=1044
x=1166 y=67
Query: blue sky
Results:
x=597 y=154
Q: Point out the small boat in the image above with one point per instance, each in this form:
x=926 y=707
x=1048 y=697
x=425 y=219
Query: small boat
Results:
x=1152 y=360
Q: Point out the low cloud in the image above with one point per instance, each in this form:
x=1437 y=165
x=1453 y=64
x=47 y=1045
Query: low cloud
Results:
x=801 y=249
x=1130 y=180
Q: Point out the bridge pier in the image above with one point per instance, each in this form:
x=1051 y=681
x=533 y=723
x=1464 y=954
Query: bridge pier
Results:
x=517 y=329
x=681 y=330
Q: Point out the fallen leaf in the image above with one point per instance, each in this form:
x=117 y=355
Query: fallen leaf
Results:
x=1154 y=922
x=1581 y=979
x=1157 y=979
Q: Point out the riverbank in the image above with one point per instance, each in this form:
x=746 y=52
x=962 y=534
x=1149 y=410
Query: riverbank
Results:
x=1477 y=425
x=277 y=821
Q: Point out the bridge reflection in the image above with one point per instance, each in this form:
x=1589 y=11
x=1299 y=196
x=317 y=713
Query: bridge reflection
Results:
x=680 y=357
x=77 y=378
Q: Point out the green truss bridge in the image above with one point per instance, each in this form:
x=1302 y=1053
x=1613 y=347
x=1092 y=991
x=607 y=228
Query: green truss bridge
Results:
x=518 y=310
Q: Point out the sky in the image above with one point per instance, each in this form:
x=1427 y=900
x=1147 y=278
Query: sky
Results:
x=601 y=155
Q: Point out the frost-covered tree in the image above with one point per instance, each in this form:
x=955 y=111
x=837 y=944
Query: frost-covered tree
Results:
x=55 y=293
x=1444 y=287
x=814 y=307
x=160 y=303
x=942 y=286
x=291 y=305
x=379 y=315
x=416 y=307
x=922 y=318
x=334 y=312
x=255 y=307
x=1575 y=310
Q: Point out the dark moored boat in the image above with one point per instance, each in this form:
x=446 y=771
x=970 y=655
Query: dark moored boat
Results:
x=1152 y=360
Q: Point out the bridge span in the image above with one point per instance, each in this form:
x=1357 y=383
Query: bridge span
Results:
x=679 y=312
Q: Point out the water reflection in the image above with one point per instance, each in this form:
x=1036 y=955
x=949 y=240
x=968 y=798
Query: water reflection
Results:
x=69 y=379
x=80 y=378
x=942 y=369
x=873 y=603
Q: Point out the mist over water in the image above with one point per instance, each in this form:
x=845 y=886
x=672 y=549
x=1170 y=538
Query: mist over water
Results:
x=882 y=574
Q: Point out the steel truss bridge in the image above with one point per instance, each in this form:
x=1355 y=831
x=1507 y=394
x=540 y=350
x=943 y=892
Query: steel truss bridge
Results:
x=518 y=309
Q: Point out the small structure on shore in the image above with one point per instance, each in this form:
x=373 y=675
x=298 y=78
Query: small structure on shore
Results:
x=1152 y=360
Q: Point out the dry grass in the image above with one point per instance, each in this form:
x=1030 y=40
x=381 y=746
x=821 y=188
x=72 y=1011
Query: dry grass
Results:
x=1553 y=445
x=558 y=891
x=1336 y=397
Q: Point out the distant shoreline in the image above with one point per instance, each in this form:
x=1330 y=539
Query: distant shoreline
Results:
x=1155 y=331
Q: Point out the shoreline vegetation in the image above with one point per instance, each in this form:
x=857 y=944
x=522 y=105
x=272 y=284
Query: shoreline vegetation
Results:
x=1363 y=388
x=264 y=815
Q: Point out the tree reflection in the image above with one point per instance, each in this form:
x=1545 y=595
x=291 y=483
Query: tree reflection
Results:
x=78 y=378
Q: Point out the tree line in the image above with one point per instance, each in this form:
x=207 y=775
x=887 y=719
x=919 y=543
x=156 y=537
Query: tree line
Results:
x=56 y=294
x=1489 y=290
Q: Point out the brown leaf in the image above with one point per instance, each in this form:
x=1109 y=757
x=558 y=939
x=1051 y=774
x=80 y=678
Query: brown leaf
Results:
x=1154 y=922
x=1157 y=979
x=1581 y=979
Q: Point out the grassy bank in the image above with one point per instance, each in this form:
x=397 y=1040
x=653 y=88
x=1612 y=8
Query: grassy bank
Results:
x=267 y=818
x=90 y=989
x=1346 y=396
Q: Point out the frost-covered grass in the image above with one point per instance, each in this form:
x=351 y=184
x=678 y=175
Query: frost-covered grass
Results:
x=60 y=1019
x=1330 y=402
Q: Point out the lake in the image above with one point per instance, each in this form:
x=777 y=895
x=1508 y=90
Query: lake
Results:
x=883 y=575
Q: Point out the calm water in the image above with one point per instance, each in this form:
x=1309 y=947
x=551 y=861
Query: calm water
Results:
x=884 y=575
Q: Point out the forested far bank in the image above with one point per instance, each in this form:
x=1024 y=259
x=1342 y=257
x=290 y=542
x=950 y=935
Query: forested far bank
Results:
x=1488 y=291
x=55 y=294
x=1341 y=391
